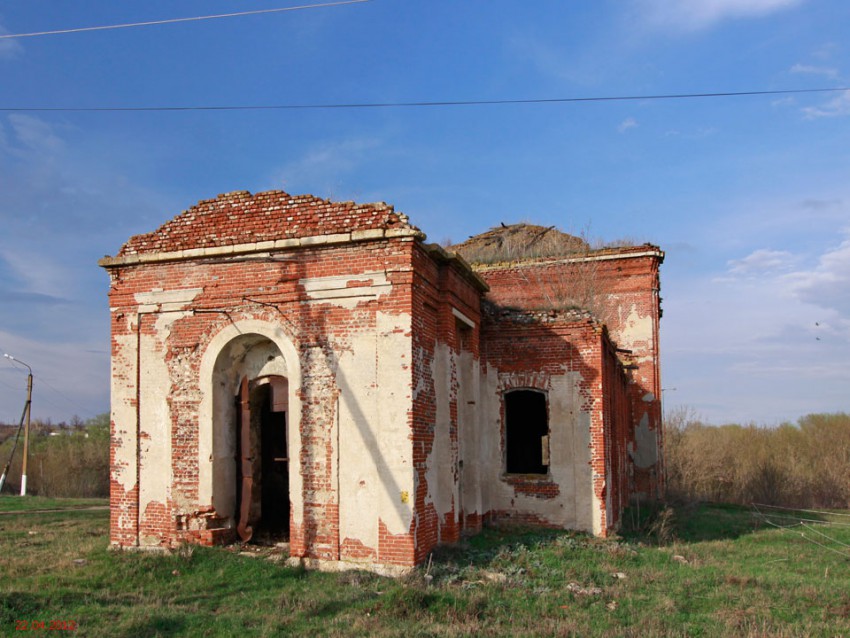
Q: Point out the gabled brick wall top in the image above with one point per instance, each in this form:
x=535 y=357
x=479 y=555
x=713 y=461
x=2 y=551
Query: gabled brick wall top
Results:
x=244 y=218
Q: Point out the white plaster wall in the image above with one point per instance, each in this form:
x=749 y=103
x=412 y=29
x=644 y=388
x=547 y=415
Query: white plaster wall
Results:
x=575 y=507
x=469 y=430
x=155 y=471
x=454 y=475
x=439 y=466
x=395 y=447
x=163 y=308
x=490 y=458
x=646 y=440
x=340 y=291
x=359 y=481
x=123 y=395
x=635 y=332
x=570 y=452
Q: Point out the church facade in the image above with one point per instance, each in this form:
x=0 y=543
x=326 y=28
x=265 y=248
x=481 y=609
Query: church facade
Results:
x=287 y=367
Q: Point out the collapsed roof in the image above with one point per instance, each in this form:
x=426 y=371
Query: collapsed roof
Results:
x=517 y=242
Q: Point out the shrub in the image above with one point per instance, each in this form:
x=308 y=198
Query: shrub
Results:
x=803 y=465
x=63 y=460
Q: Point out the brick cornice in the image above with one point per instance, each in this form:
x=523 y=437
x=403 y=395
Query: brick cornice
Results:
x=312 y=241
x=601 y=255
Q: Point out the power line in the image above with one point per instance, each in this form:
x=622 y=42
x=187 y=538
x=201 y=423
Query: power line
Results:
x=41 y=379
x=9 y=386
x=799 y=509
x=9 y=36
x=375 y=105
x=6 y=384
x=64 y=396
x=826 y=536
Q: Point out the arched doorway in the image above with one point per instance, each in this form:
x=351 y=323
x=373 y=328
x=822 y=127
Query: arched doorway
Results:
x=262 y=458
x=246 y=454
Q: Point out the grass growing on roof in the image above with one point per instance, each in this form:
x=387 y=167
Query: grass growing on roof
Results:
x=518 y=242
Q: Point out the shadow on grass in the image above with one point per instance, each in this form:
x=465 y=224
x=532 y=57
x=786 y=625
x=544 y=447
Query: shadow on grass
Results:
x=156 y=625
x=37 y=611
x=20 y=607
x=483 y=548
x=661 y=523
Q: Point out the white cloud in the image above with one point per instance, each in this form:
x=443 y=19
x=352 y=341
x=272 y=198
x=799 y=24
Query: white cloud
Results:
x=782 y=220
x=837 y=106
x=828 y=284
x=46 y=276
x=321 y=169
x=9 y=48
x=784 y=101
x=745 y=350
x=770 y=337
x=761 y=261
x=61 y=209
x=814 y=70
x=824 y=283
x=34 y=133
x=694 y=15
x=626 y=124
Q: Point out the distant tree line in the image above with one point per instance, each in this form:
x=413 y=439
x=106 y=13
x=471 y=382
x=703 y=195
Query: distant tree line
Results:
x=65 y=459
x=806 y=464
x=794 y=465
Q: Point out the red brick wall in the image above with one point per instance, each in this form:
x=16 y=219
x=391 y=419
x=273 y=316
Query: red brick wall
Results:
x=428 y=286
x=439 y=286
x=618 y=419
x=529 y=351
x=268 y=290
x=621 y=285
x=244 y=218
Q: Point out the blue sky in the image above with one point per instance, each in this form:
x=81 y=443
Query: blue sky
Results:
x=748 y=196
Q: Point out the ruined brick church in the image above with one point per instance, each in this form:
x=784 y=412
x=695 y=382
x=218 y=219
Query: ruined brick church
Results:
x=288 y=367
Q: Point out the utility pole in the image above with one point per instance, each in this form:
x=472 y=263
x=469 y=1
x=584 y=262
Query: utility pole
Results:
x=27 y=424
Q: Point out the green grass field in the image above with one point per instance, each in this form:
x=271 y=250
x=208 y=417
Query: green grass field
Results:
x=707 y=570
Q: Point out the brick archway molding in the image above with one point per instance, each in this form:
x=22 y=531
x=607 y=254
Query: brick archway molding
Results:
x=275 y=354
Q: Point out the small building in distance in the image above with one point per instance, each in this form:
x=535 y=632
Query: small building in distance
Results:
x=288 y=367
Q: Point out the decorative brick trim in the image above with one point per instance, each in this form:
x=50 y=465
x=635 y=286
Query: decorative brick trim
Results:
x=256 y=248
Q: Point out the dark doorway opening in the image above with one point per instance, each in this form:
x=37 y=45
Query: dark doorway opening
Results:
x=275 y=470
x=526 y=432
x=262 y=490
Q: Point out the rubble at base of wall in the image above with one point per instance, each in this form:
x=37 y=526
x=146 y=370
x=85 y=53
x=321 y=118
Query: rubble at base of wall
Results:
x=323 y=565
x=147 y=549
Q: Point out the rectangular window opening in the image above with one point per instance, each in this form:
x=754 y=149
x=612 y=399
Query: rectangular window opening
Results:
x=526 y=432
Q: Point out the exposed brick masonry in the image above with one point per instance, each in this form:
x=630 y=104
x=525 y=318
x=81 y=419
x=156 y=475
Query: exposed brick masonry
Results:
x=398 y=333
